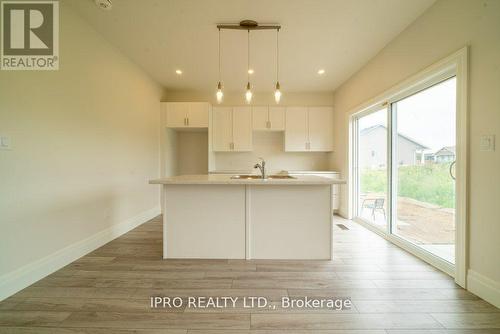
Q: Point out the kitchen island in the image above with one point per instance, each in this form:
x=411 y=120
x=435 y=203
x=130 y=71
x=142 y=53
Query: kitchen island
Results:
x=220 y=217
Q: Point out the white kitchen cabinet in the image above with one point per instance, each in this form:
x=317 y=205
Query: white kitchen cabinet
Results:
x=309 y=129
x=277 y=118
x=232 y=129
x=242 y=129
x=222 y=129
x=296 y=129
x=320 y=129
x=198 y=115
x=268 y=118
x=187 y=114
x=260 y=118
x=176 y=114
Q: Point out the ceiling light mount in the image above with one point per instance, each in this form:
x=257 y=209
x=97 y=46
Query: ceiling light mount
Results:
x=248 y=25
x=104 y=4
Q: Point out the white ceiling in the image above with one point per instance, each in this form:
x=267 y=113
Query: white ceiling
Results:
x=339 y=36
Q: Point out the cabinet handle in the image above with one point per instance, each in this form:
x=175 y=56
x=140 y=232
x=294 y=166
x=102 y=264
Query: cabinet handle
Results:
x=187 y=121
x=268 y=124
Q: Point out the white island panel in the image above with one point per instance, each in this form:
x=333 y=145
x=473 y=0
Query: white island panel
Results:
x=290 y=222
x=204 y=222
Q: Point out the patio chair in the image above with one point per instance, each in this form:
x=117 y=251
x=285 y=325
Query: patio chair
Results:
x=374 y=204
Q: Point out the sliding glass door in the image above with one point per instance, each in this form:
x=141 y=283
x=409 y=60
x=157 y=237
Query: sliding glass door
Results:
x=404 y=168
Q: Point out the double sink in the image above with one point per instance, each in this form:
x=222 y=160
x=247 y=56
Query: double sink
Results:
x=259 y=177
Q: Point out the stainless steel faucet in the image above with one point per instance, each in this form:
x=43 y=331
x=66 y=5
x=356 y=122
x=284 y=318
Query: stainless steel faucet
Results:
x=262 y=167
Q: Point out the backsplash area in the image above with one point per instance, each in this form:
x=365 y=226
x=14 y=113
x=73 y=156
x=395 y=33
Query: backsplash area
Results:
x=270 y=146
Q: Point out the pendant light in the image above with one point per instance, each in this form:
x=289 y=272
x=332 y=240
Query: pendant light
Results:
x=277 y=92
x=250 y=25
x=219 y=95
x=248 y=94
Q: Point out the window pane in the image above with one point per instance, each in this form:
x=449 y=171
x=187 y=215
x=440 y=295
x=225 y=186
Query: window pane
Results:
x=372 y=168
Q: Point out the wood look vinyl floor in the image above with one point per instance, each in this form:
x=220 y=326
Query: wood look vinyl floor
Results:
x=109 y=290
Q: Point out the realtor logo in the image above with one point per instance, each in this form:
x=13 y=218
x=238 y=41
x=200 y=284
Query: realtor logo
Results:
x=30 y=35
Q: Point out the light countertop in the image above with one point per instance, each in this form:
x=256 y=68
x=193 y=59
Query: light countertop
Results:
x=226 y=179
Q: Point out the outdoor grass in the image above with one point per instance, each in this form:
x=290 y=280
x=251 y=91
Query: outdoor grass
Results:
x=430 y=183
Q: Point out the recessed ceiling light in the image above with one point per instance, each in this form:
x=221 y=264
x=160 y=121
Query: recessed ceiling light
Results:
x=250 y=71
x=321 y=72
x=179 y=72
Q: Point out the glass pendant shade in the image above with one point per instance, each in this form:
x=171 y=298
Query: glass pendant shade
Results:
x=277 y=93
x=219 y=93
x=248 y=94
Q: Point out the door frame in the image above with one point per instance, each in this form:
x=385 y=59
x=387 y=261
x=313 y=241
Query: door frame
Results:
x=453 y=65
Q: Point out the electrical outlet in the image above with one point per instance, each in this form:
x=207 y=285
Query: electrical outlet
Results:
x=5 y=143
x=487 y=143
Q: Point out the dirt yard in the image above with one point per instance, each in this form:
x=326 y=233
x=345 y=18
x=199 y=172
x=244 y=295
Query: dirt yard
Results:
x=421 y=223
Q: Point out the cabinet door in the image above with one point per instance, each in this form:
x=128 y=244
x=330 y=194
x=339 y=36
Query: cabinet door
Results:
x=321 y=129
x=177 y=114
x=296 y=136
x=277 y=118
x=242 y=129
x=260 y=118
x=222 y=129
x=198 y=115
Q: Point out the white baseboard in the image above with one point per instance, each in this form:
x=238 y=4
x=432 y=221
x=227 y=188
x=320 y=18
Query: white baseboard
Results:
x=484 y=287
x=19 y=279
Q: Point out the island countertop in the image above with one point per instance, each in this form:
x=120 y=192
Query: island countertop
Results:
x=226 y=179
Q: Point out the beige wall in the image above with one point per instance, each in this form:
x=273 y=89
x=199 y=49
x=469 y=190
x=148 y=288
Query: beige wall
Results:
x=192 y=152
x=85 y=142
x=446 y=27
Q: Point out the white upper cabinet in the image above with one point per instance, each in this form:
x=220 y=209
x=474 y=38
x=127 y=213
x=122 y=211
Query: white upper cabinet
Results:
x=198 y=114
x=176 y=114
x=242 y=129
x=187 y=114
x=320 y=129
x=277 y=118
x=232 y=129
x=296 y=128
x=268 y=118
x=222 y=128
x=309 y=129
x=260 y=118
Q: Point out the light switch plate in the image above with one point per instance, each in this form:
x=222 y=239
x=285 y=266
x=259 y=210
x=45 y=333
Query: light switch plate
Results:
x=5 y=143
x=487 y=143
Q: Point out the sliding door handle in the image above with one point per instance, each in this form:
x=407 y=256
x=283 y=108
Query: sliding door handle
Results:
x=451 y=170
